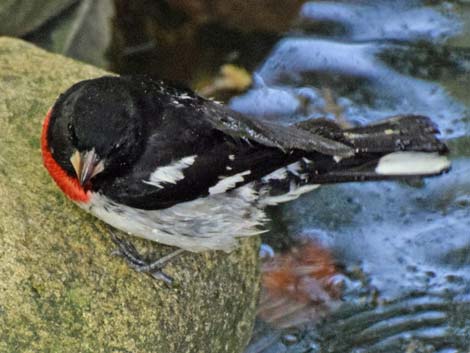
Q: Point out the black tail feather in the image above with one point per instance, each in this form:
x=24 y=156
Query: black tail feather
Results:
x=398 y=133
x=401 y=147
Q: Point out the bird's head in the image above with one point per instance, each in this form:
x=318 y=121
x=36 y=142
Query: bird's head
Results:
x=92 y=130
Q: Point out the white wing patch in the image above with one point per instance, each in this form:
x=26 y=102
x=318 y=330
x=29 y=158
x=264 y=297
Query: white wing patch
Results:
x=337 y=159
x=294 y=192
x=171 y=173
x=278 y=174
x=228 y=183
x=281 y=173
x=294 y=168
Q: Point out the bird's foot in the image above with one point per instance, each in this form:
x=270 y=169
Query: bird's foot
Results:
x=135 y=260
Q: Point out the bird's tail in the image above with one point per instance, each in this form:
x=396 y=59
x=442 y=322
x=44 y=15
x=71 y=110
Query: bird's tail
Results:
x=401 y=147
x=398 y=147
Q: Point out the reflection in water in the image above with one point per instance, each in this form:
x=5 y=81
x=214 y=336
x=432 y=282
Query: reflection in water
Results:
x=388 y=92
x=402 y=236
x=391 y=20
x=404 y=247
x=282 y=103
x=299 y=286
x=418 y=323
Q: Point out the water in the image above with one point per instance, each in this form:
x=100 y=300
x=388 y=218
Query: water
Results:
x=409 y=242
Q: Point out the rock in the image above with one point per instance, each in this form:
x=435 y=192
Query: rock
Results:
x=82 y=32
x=21 y=17
x=61 y=290
x=80 y=29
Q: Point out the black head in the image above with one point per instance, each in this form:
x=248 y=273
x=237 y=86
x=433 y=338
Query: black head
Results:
x=95 y=128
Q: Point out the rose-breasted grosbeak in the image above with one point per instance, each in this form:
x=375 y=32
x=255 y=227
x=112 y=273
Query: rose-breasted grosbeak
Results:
x=165 y=164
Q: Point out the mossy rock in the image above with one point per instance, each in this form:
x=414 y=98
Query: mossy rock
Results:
x=61 y=290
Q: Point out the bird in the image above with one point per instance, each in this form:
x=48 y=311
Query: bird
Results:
x=158 y=161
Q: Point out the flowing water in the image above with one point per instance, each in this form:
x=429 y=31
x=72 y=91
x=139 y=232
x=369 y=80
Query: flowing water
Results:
x=405 y=247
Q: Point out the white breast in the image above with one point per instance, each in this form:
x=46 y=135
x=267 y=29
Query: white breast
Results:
x=208 y=223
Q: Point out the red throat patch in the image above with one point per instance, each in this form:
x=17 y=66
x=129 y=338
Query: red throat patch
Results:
x=69 y=185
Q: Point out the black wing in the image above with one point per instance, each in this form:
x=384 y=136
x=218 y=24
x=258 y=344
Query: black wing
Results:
x=207 y=144
x=214 y=115
x=286 y=138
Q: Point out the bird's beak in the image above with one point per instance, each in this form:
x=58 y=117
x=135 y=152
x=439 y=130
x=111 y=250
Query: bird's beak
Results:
x=87 y=165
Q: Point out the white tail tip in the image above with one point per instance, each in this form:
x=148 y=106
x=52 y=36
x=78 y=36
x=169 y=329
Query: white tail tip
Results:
x=412 y=163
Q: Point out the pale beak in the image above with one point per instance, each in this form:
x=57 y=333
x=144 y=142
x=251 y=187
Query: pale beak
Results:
x=87 y=165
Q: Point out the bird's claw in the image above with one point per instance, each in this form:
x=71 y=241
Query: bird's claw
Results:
x=134 y=259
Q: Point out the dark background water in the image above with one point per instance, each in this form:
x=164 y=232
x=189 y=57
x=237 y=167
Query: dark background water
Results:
x=404 y=248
